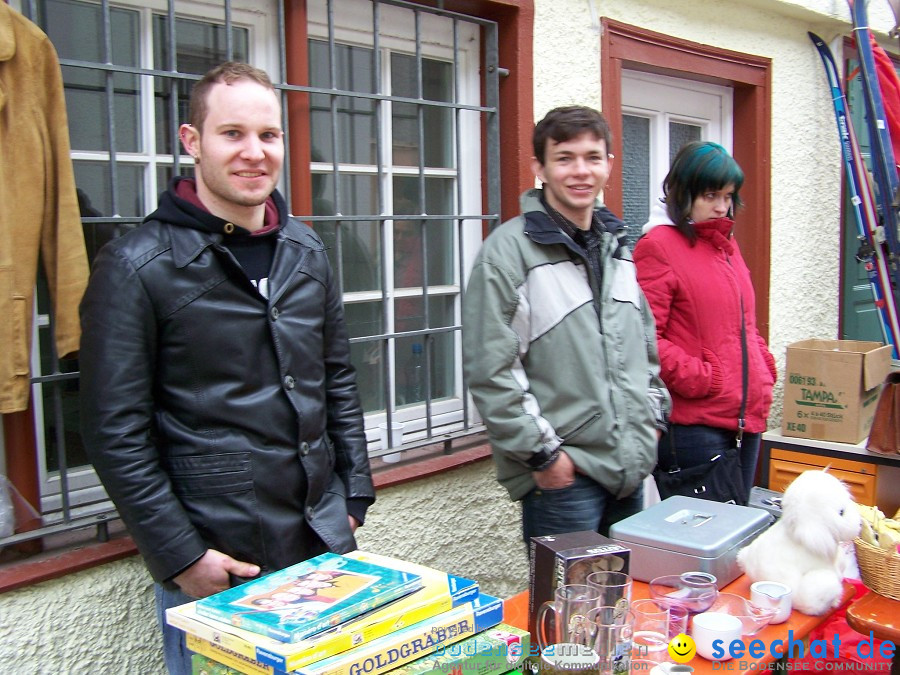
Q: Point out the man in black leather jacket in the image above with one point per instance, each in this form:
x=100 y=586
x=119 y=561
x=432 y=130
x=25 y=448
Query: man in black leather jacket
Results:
x=219 y=405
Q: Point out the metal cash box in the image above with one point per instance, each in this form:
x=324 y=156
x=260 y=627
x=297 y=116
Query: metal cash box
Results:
x=684 y=534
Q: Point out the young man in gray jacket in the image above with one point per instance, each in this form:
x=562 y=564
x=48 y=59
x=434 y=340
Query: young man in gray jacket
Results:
x=559 y=343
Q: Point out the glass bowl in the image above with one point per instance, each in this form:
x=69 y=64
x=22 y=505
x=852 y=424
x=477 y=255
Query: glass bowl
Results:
x=754 y=617
x=694 y=591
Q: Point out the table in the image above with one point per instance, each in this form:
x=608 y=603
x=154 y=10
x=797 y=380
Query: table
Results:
x=870 y=476
x=515 y=613
x=881 y=616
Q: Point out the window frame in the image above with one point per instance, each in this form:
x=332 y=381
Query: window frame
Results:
x=624 y=46
x=80 y=489
x=463 y=54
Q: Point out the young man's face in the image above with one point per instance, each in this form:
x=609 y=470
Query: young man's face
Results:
x=240 y=151
x=573 y=173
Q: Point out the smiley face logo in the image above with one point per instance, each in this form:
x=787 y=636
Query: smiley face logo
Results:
x=682 y=648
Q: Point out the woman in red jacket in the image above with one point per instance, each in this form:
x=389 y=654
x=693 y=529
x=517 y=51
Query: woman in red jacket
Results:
x=698 y=286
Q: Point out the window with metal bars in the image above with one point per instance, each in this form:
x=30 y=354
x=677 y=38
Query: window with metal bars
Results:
x=385 y=104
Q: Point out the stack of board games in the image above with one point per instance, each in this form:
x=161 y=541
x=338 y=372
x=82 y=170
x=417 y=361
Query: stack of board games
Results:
x=445 y=610
x=496 y=651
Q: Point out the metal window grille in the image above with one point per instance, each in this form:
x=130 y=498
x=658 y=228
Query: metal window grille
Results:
x=119 y=83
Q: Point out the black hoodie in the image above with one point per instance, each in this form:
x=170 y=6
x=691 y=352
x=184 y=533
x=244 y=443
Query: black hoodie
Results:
x=252 y=251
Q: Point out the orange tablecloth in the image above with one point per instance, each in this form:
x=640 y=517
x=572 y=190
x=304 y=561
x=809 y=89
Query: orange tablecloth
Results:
x=515 y=613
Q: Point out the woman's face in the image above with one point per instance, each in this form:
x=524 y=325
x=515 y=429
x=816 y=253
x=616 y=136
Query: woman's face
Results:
x=712 y=204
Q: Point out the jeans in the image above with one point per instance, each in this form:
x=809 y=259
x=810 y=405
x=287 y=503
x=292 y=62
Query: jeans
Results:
x=175 y=652
x=584 y=505
x=696 y=444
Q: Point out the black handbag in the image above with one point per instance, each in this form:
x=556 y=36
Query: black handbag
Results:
x=720 y=479
x=717 y=480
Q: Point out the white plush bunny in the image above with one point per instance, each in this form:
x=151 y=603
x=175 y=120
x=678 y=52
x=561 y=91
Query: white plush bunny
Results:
x=803 y=549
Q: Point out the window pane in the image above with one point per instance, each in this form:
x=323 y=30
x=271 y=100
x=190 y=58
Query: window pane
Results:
x=356 y=117
x=354 y=251
x=199 y=46
x=636 y=190
x=358 y=197
x=92 y=181
x=364 y=318
x=411 y=361
x=67 y=420
x=681 y=134
x=439 y=240
x=66 y=22
x=437 y=85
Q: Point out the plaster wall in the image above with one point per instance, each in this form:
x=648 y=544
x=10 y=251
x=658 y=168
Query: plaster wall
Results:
x=101 y=621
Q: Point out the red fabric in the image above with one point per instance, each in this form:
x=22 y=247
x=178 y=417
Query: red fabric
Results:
x=695 y=293
x=890 y=94
x=836 y=626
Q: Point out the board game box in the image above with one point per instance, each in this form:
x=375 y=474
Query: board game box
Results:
x=309 y=597
x=203 y=665
x=494 y=651
x=400 y=647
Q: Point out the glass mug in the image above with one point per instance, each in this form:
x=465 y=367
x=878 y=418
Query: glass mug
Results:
x=612 y=635
x=569 y=608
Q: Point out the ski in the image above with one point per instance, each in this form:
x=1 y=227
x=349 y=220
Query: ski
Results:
x=884 y=166
x=875 y=253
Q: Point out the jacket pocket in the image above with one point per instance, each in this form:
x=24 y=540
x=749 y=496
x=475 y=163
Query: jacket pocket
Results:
x=569 y=435
x=330 y=520
x=623 y=285
x=19 y=325
x=208 y=475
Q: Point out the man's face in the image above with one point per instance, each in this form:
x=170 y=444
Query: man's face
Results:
x=240 y=151
x=573 y=173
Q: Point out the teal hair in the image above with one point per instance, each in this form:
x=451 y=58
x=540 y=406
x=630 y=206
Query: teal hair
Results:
x=700 y=166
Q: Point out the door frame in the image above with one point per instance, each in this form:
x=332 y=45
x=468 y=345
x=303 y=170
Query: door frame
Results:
x=628 y=47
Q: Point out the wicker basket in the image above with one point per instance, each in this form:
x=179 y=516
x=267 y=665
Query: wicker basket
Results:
x=879 y=568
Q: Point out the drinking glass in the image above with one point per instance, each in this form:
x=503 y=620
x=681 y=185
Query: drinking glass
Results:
x=614 y=588
x=651 y=633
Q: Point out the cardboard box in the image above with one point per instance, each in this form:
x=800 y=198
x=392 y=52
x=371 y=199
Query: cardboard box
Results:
x=557 y=559
x=831 y=388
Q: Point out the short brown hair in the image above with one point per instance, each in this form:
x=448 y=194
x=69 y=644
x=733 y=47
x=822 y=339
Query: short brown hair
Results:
x=565 y=123
x=228 y=72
